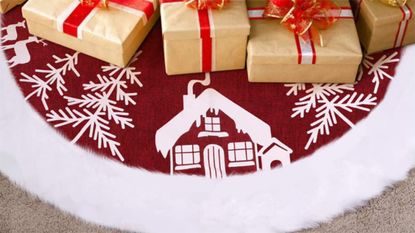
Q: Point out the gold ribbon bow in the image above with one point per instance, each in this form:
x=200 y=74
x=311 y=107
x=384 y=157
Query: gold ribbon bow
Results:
x=395 y=3
x=303 y=16
x=102 y=3
x=206 y=4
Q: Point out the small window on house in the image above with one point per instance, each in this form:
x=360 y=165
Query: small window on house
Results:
x=187 y=154
x=212 y=124
x=240 y=151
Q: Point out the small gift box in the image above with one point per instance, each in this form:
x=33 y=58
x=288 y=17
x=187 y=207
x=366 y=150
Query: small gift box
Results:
x=382 y=26
x=6 y=5
x=286 y=50
x=112 y=33
x=204 y=40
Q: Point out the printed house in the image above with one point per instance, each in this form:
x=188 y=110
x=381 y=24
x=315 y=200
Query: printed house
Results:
x=215 y=137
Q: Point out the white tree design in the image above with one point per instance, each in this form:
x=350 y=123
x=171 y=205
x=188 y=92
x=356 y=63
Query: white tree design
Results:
x=99 y=107
x=332 y=102
x=313 y=95
x=329 y=106
x=378 y=69
x=53 y=78
x=330 y=110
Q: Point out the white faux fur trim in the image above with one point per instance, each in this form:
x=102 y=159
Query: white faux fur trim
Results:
x=377 y=153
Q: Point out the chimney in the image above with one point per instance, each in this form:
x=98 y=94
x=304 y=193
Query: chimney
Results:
x=189 y=99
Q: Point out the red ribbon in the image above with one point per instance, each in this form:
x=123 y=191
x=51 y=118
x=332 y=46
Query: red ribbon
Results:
x=407 y=15
x=205 y=36
x=81 y=12
x=206 y=40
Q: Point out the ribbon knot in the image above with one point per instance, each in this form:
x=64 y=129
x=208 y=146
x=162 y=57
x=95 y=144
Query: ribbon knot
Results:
x=101 y=3
x=394 y=3
x=304 y=17
x=206 y=4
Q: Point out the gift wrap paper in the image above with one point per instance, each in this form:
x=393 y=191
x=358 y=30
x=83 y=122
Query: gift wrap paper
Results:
x=273 y=54
x=378 y=25
x=111 y=35
x=6 y=5
x=183 y=44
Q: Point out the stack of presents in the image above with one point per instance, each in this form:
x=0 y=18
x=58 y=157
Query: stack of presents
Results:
x=276 y=40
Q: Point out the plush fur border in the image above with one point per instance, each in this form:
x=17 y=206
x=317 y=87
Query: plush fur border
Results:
x=339 y=177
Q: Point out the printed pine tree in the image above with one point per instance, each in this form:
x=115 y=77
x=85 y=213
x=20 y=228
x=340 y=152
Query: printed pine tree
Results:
x=378 y=69
x=331 y=103
x=100 y=106
x=53 y=78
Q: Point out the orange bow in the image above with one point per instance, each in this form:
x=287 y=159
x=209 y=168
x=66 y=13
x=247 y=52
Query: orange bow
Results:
x=206 y=4
x=303 y=16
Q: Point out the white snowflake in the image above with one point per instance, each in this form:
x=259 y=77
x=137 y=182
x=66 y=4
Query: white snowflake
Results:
x=53 y=78
x=99 y=107
x=378 y=69
x=328 y=104
x=313 y=95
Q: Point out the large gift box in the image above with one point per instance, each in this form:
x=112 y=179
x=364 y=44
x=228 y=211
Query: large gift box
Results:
x=111 y=34
x=276 y=54
x=6 y=5
x=382 y=27
x=204 y=40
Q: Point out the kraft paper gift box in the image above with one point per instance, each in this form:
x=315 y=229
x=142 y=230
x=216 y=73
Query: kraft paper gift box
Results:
x=382 y=27
x=276 y=54
x=6 y=5
x=204 y=40
x=112 y=34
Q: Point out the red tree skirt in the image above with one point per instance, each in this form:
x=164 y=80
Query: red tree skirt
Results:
x=141 y=117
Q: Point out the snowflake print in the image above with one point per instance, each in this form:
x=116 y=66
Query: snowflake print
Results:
x=332 y=102
x=53 y=78
x=378 y=69
x=99 y=107
x=314 y=95
x=330 y=110
x=329 y=106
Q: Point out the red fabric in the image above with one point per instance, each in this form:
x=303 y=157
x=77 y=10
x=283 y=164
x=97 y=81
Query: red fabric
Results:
x=159 y=99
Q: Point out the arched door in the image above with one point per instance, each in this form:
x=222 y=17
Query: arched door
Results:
x=214 y=161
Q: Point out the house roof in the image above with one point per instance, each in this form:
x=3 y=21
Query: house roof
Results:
x=210 y=99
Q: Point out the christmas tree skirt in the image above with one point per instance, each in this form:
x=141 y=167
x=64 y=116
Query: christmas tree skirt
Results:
x=137 y=150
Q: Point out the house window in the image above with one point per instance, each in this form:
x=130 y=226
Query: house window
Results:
x=240 y=151
x=212 y=124
x=187 y=154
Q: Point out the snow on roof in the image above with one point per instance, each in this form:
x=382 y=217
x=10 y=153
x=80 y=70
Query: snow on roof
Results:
x=210 y=99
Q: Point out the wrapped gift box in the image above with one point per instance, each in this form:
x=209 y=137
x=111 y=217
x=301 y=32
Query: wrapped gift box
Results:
x=384 y=27
x=6 y=5
x=204 y=40
x=276 y=54
x=112 y=34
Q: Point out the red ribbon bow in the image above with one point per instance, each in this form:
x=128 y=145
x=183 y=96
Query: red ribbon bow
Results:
x=303 y=16
x=206 y=4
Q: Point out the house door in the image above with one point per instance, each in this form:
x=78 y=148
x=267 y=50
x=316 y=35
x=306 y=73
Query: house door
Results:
x=214 y=161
